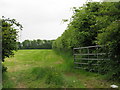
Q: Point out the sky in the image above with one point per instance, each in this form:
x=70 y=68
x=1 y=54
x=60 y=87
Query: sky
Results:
x=41 y=19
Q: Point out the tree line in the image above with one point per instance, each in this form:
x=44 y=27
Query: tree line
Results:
x=35 y=44
x=9 y=29
x=95 y=23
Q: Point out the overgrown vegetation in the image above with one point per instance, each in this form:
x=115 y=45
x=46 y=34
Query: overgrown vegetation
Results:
x=96 y=23
x=48 y=69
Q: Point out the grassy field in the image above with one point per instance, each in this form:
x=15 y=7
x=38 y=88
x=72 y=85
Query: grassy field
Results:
x=48 y=69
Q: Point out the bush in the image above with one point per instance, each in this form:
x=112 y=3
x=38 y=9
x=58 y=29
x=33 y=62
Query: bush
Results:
x=4 y=69
x=111 y=37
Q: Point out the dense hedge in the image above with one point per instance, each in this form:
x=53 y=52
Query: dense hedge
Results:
x=95 y=23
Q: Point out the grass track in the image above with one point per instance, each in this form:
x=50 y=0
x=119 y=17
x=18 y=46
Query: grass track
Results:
x=47 y=69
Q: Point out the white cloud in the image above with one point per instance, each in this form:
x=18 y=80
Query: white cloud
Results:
x=40 y=18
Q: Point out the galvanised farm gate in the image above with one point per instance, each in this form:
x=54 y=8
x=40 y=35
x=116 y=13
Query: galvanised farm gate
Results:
x=90 y=56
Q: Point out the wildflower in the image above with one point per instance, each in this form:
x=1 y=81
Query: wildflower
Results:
x=113 y=86
x=73 y=80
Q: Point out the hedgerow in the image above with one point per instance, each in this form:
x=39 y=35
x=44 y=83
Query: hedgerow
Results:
x=95 y=23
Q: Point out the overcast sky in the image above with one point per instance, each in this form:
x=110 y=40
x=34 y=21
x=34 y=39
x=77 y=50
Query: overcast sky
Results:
x=41 y=19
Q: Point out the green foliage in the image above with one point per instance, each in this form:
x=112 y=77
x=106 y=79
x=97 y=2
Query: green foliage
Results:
x=95 y=23
x=10 y=28
x=4 y=69
x=86 y=23
x=35 y=44
x=110 y=37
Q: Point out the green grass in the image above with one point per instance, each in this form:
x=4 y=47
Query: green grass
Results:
x=48 y=69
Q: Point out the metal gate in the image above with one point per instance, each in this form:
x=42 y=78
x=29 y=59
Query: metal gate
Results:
x=89 y=56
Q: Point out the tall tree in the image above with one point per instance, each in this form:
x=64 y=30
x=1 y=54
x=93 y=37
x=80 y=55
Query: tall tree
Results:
x=10 y=29
x=8 y=38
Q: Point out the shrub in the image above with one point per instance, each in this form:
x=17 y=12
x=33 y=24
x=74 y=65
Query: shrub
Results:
x=4 y=69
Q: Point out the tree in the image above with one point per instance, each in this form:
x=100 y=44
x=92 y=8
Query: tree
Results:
x=35 y=44
x=10 y=28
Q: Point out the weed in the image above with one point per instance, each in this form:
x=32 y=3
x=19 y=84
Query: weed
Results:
x=39 y=72
x=54 y=77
